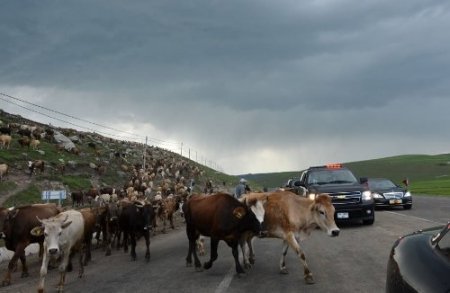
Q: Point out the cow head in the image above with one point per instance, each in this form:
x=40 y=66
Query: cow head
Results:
x=322 y=211
x=6 y=218
x=52 y=229
x=253 y=209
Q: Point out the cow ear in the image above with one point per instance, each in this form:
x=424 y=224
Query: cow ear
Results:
x=239 y=212
x=37 y=231
x=66 y=224
x=13 y=214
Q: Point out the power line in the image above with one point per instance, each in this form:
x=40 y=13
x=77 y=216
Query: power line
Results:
x=156 y=140
x=174 y=145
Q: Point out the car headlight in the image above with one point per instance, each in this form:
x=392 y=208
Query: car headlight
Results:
x=312 y=196
x=376 y=195
x=407 y=194
x=366 y=195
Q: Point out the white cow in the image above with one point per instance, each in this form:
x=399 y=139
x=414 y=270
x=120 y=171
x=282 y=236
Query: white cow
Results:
x=63 y=233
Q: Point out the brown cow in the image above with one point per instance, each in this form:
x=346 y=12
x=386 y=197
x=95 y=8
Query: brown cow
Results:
x=36 y=164
x=165 y=209
x=17 y=225
x=221 y=217
x=292 y=218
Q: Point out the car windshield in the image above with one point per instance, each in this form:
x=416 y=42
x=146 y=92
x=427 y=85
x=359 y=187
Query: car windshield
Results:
x=331 y=176
x=375 y=184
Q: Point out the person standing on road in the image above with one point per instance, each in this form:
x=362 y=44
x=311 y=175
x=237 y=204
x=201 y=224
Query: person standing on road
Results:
x=240 y=188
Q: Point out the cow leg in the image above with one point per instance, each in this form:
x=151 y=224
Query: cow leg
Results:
x=247 y=257
x=283 y=269
x=235 y=250
x=87 y=249
x=164 y=224
x=193 y=236
x=213 y=254
x=296 y=247
x=147 y=245
x=133 y=245
x=43 y=273
x=200 y=245
x=125 y=241
x=66 y=260
x=108 y=238
x=20 y=250
x=23 y=260
x=80 y=260
x=171 y=221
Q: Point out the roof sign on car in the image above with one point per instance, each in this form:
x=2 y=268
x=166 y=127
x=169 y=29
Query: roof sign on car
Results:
x=334 y=166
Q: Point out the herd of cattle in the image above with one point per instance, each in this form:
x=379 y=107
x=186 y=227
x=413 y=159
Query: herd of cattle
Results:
x=219 y=216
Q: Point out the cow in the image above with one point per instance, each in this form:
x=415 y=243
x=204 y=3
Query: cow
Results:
x=36 y=164
x=165 y=209
x=64 y=235
x=135 y=218
x=221 y=217
x=77 y=198
x=292 y=218
x=17 y=224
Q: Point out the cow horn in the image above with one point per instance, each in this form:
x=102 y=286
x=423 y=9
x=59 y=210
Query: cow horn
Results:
x=40 y=221
x=138 y=204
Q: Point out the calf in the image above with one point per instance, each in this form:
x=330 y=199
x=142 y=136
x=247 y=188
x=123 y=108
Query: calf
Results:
x=292 y=218
x=134 y=219
x=16 y=226
x=221 y=217
x=64 y=234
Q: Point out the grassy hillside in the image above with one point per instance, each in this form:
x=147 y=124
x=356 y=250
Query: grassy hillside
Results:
x=71 y=171
x=427 y=174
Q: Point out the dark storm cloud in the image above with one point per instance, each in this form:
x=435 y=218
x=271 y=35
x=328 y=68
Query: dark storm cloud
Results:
x=255 y=68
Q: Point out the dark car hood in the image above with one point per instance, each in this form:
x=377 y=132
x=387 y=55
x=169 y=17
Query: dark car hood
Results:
x=393 y=189
x=332 y=188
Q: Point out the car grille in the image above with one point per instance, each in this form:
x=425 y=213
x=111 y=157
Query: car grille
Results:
x=353 y=197
x=392 y=195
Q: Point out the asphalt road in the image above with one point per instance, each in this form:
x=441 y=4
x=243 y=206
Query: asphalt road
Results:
x=353 y=262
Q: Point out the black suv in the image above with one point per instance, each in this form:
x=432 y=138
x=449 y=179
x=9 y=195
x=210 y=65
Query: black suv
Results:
x=351 y=199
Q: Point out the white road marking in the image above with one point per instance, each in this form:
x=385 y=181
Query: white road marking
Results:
x=223 y=286
x=423 y=219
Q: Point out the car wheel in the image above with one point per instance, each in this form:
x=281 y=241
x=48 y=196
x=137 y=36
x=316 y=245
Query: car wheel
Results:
x=369 y=221
x=407 y=206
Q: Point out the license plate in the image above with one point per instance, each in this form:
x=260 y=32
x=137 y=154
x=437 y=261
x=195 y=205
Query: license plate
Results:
x=395 y=201
x=342 y=215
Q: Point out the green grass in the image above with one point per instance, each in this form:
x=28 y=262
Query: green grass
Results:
x=29 y=195
x=7 y=186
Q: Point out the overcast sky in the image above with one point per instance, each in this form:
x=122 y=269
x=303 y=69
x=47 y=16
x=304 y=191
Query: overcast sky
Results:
x=247 y=86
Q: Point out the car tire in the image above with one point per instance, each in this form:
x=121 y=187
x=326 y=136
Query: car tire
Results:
x=369 y=221
x=407 y=206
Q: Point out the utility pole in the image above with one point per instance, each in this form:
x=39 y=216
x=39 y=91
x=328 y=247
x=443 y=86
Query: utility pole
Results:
x=181 y=148
x=145 y=152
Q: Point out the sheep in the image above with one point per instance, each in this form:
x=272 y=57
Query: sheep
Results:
x=34 y=143
x=5 y=141
x=3 y=171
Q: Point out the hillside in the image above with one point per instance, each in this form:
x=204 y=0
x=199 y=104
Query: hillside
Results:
x=427 y=174
x=95 y=161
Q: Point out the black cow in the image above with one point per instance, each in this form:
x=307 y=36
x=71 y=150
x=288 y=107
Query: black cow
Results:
x=77 y=198
x=221 y=217
x=134 y=220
